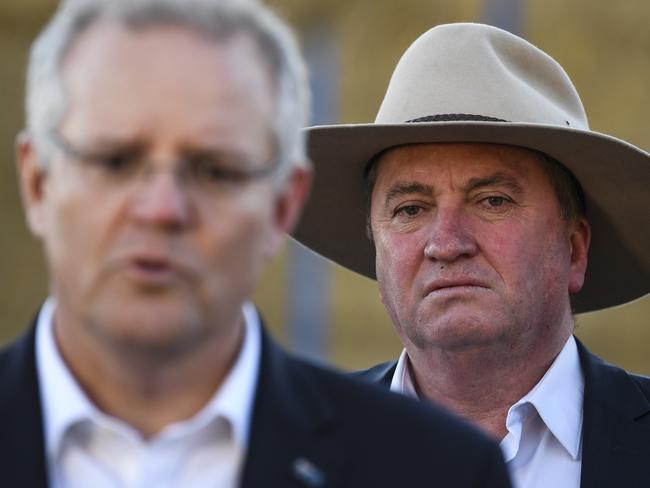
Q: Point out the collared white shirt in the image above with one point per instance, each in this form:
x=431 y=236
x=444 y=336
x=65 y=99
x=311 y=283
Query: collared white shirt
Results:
x=87 y=448
x=543 y=446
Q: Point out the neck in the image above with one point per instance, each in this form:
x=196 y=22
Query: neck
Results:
x=149 y=390
x=481 y=383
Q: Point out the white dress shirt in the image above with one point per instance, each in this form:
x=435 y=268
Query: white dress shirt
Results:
x=88 y=448
x=543 y=446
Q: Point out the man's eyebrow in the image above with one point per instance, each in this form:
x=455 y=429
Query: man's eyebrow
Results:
x=211 y=151
x=407 y=188
x=495 y=179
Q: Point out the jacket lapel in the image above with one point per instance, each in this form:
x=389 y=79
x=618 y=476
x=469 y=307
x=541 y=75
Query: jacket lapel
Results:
x=616 y=426
x=293 y=431
x=381 y=374
x=22 y=451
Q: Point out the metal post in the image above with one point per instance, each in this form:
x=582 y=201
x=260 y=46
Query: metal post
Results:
x=309 y=276
x=506 y=14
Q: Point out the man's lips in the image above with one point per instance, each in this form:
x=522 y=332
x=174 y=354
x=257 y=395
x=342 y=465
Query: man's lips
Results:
x=152 y=268
x=151 y=264
x=454 y=285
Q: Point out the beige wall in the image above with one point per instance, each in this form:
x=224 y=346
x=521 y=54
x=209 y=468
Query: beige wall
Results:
x=605 y=47
x=22 y=280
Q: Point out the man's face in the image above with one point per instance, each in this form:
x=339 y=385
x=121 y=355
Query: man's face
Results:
x=471 y=247
x=151 y=246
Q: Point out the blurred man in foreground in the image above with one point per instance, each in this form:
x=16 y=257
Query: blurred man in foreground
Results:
x=161 y=168
x=485 y=192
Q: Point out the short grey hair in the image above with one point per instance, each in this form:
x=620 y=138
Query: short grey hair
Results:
x=220 y=19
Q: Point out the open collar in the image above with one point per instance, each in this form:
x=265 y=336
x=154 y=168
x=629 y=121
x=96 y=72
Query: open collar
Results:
x=557 y=398
x=65 y=404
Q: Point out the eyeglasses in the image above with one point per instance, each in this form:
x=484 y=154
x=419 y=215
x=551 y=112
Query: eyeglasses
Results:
x=204 y=171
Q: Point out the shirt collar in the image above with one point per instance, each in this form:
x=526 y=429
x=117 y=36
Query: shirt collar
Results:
x=65 y=404
x=234 y=399
x=62 y=399
x=402 y=381
x=557 y=397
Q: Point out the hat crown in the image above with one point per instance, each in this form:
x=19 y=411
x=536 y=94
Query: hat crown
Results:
x=480 y=70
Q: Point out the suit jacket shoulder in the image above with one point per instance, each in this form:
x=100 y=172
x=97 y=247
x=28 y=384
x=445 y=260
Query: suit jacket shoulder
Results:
x=22 y=448
x=616 y=425
x=350 y=433
x=381 y=373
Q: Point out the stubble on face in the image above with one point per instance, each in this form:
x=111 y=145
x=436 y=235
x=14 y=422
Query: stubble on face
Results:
x=462 y=268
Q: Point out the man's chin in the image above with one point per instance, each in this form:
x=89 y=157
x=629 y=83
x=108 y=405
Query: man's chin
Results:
x=456 y=330
x=161 y=327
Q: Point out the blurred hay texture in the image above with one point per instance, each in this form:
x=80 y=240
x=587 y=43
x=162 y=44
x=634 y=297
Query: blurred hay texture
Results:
x=604 y=46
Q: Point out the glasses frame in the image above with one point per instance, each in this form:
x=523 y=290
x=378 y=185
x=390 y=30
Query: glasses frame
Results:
x=69 y=150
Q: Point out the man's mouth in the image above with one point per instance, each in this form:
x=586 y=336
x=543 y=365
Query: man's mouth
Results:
x=451 y=286
x=152 y=270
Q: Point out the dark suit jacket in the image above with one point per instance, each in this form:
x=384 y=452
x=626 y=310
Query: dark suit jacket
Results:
x=310 y=427
x=615 y=427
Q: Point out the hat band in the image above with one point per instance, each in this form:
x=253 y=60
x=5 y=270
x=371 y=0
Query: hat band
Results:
x=455 y=118
x=433 y=118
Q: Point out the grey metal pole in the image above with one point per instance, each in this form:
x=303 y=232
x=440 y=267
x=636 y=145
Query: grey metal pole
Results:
x=309 y=276
x=506 y=14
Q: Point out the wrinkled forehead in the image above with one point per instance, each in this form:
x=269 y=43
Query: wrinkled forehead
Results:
x=107 y=37
x=111 y=38
x=166 y=80
x=218 y=26
x=454 y=163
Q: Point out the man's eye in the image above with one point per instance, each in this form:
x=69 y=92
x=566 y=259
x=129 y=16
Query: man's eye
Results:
x=495 y=201
x=115 y=163
x=408 y=210
x=211 y=170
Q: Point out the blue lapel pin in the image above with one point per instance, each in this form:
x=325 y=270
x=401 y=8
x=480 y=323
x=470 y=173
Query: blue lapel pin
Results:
x=307 y=472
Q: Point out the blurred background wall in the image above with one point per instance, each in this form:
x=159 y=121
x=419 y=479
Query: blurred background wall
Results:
x=316 y=308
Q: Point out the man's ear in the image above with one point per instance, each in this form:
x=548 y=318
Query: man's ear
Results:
x=579 y=238
x=31 y=180
x=289 y=202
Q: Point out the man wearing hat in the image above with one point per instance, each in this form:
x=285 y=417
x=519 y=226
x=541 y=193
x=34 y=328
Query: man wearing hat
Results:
x=489 y=213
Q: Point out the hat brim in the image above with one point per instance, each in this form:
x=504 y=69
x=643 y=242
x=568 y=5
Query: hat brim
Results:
x=615 y=176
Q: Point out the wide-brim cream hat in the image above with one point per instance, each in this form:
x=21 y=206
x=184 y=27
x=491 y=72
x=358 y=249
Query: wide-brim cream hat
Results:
x=476 y=83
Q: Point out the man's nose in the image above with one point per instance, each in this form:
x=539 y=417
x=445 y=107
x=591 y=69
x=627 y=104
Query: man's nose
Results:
x=162 y=200
x=450 y=237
